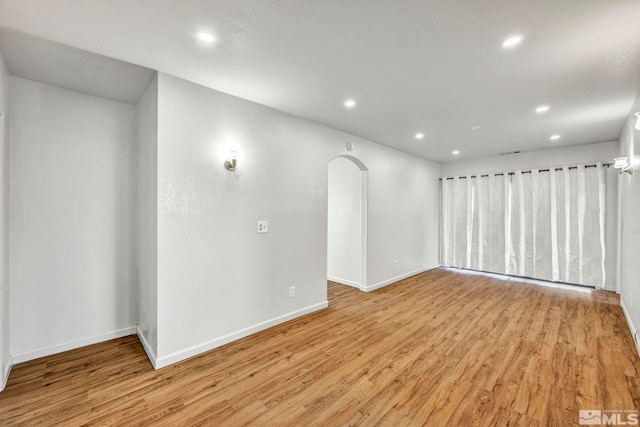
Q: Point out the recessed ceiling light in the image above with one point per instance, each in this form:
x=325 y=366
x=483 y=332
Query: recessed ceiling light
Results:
x=542 y=109
x=475 y=128
x=554 y=137
x=205 y=36
x=419 y=135
x=350 y=103
x=455 y=152
x=511 y=42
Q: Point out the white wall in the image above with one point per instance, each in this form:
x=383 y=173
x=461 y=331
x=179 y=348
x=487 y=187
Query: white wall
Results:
x=403 y=215
x=147 y=218
x=630 y=224
x=344 y=222
x=218 y=279
x=603 y=152
x=5 y=353
x=556 y=157
x=71 y=219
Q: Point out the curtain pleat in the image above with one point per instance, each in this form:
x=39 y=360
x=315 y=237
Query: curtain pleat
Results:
x=507 y=224
x=470 y=228
x=544 y=231
x=602 y=221
x=567 y=223
x=543 y=224
x=460 y=224
x=445 y=218
x=582 y=201
x=555 y=254
x=519 y=248
x=481 y=215
x=494 y=220
x=536 y=270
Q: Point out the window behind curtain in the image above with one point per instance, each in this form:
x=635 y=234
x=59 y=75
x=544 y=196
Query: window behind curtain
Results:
x=542 y=224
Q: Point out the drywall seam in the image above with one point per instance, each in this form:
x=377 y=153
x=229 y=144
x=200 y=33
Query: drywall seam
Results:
x=147 y=348
x=48 y=351
x=181 y=355
x=5 y=375
x=631 y=326
x=397 y=278
x=344 y=281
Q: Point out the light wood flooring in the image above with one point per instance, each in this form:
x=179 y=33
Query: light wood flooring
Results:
x=441 y=349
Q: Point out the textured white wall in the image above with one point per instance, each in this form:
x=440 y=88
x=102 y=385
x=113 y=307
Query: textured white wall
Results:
x=71 y=219
x=556 y=157
x=344 y=236
x=147 y=217
x=403 y=214
x=630 y=223
x=5 y=354
x=217 y=278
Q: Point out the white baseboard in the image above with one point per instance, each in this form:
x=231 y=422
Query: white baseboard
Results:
x=35 y=354
x=344 y=281
x=632 y=327
x=147 y=348
x=5 y=374
x=181 y=355
x=397 y=278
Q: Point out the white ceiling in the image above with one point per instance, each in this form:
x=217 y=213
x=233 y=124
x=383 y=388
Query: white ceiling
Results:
x=414 y=65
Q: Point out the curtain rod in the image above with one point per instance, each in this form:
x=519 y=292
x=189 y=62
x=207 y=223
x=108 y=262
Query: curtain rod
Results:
x=606 y=165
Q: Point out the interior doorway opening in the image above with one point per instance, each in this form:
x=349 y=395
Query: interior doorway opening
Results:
x=347 y=222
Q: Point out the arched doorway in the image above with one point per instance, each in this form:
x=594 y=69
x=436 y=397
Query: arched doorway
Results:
x=347 y=222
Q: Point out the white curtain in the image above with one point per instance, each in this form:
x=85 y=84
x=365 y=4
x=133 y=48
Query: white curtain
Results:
x=542 y=224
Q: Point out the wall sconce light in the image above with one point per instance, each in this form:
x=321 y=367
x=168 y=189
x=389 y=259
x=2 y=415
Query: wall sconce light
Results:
x=232 y=161
x=622 y=163
x=638 y=120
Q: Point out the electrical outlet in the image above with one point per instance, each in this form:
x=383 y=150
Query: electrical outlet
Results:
x=263 y=227
x=292 y=291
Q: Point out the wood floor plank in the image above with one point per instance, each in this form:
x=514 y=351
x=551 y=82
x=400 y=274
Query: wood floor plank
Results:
x=439 y=348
